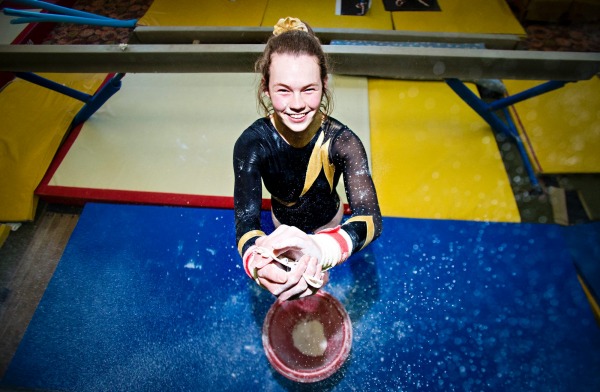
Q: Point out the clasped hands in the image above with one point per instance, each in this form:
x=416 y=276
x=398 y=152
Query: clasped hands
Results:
x=300 y=278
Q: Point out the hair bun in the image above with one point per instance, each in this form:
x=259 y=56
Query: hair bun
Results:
x=289 y=24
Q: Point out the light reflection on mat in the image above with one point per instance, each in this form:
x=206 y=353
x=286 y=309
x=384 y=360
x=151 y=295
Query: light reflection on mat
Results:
x=562 y=127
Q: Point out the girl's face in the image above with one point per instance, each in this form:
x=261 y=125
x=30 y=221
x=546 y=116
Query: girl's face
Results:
x=295 y=89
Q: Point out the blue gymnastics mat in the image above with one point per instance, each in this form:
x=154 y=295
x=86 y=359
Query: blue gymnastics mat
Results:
x=150 y=298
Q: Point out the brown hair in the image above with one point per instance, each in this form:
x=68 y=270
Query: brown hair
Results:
x=295 y=42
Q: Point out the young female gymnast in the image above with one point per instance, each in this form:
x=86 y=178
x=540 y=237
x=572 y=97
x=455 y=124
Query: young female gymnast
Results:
x=300 y=152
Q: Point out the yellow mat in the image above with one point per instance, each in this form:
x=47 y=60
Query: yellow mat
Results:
x=321 y=13
x=204 y=13
x=34 y=121
x=433 y=157
x=174 y=134
x=561 y=128
x=318 y=13
x=492 y=16
x=475 y=17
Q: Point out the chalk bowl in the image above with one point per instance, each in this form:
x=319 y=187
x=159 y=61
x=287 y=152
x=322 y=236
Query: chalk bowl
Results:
x=307 y=340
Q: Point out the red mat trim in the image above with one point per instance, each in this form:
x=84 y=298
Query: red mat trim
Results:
x=79 y=196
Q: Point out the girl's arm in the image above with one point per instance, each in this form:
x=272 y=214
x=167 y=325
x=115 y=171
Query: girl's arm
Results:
x=365 y=223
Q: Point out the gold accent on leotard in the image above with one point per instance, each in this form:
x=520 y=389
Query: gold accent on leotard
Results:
x=319 y=158
x=368 y=220
x=285 y=203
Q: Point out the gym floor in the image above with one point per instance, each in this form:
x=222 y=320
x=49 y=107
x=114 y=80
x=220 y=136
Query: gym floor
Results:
x=30 y=254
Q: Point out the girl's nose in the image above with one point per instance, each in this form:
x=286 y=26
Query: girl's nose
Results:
x=296 y=102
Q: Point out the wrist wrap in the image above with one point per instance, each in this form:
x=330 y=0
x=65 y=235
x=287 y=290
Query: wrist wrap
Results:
x=335 y=245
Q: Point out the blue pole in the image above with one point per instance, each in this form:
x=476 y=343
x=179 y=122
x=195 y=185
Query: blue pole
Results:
x=494 y=121
x=37 y=18
x=40 y=81
x=58 y=9
x=476 y=104
x=529 y=93
x=107 y=91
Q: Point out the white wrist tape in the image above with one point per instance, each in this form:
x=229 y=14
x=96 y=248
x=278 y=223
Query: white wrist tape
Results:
x=335 y=245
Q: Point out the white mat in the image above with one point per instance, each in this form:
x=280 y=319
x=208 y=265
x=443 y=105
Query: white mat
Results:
x=174 y=133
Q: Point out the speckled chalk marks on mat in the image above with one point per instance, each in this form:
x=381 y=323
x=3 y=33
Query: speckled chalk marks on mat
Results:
x=154 y=298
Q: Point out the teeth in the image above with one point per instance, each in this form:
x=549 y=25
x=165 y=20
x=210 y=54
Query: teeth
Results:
x=297 y=116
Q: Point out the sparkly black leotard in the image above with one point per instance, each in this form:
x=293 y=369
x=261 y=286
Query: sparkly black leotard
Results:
x=302 y=182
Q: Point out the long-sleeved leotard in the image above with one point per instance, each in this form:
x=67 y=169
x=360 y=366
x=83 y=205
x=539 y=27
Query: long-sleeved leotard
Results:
x=302 y=182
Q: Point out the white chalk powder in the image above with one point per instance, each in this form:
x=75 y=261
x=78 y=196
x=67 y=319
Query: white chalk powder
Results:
x=309 y=338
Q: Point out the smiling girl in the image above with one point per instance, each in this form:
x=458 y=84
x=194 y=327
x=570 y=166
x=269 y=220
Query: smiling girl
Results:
x=300 y=152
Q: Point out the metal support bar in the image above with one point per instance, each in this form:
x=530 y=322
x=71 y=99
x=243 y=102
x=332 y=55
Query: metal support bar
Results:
x=495 y=122
x=375 y=61
x=107 y=91
x=92 y=102
x=529 y=93
x=512 y=130
x=47 y=83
